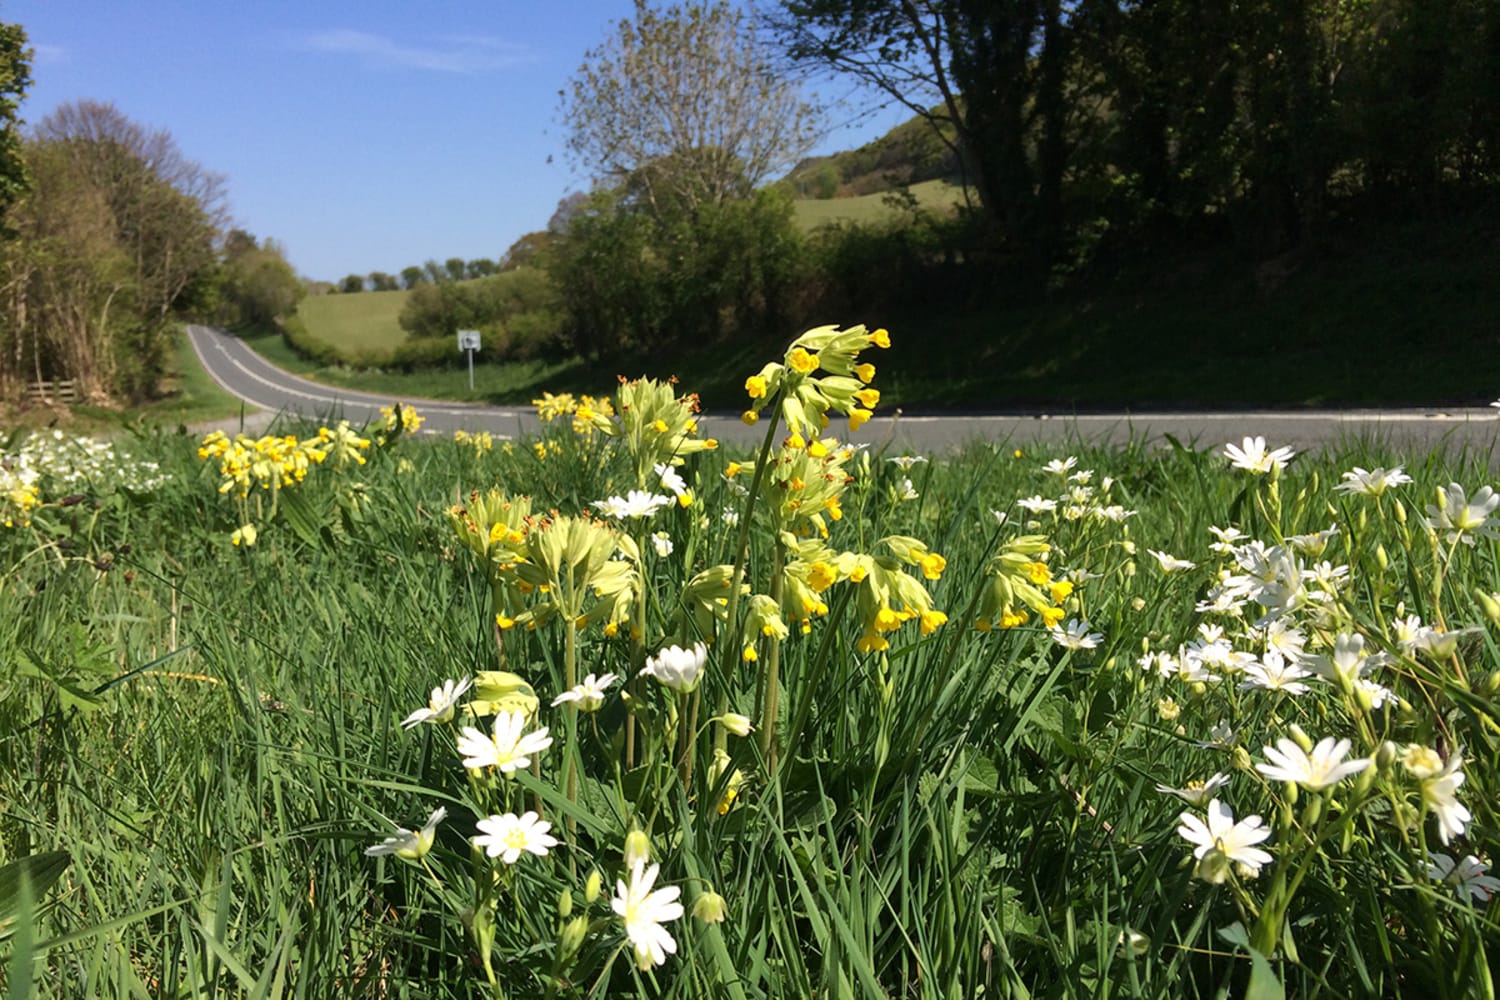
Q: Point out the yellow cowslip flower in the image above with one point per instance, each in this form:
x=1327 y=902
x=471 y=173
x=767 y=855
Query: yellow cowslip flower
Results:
x=755 y=387
x=865 y=372
x=933 y=565
x=659 y=425
x=834 y=508
x=1061 y=591
x=1051 y=616
x=817 y=449
x=858 y=574
x=749 y=655
x=983 y=624
x=1013 y=619
x=868 y=398
x=799 y=360
x=550 y=407
x=1038 y=573
x=858 y=418
x=881 y=338
x=872 y=643
x=245 y=535
x=821 y=576
x=796 y=441
x=932 y=620
x=503 y=622
x=732 y=469
x=886 y=620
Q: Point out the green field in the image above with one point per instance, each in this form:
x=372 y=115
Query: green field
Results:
x=364 y=321
x=934 y=196
x=994 y=664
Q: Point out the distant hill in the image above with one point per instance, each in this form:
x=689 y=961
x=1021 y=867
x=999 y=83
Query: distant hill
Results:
x=910 y=153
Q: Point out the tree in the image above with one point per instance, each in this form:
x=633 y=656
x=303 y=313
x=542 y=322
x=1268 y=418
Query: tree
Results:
x=352 y=283
x=379 y=281
x=685 y=103
x=259 y=284
x=480 y=267
x=15 y=77
x=412 y=276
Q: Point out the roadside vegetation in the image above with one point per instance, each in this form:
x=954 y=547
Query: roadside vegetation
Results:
x=612 y=711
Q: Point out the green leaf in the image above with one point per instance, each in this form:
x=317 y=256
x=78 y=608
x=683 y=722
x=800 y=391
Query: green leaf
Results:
x=40 y=872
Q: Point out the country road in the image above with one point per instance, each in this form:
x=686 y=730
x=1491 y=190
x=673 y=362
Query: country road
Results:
x=245 y=374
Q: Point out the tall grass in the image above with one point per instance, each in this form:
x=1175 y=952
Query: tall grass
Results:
x=210 y=732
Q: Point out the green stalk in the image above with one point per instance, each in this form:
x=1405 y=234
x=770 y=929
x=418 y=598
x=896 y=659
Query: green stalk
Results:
x=741 y=555
x=771 y=676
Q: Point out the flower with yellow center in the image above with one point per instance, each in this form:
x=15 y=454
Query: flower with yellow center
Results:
x=1038 y=573
x=821 y=576
x=755 y=387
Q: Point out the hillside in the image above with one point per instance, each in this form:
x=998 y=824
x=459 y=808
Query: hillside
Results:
x=908 y=154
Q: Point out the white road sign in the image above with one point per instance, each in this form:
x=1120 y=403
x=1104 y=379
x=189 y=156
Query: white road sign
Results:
x=468 y=340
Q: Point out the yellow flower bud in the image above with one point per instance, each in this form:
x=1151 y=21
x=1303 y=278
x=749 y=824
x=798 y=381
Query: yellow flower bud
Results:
x=750 y=418
x=881 y=338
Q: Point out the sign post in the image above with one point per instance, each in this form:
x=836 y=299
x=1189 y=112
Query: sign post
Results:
x=468 y=341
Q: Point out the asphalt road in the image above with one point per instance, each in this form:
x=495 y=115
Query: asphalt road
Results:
x=259 y=383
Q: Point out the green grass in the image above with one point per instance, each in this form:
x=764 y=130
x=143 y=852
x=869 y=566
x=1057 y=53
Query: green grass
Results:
x=934 y=196
x=212 y=734
x=364 y=321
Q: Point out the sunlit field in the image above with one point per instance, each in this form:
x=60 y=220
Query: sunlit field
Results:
x=354 y=711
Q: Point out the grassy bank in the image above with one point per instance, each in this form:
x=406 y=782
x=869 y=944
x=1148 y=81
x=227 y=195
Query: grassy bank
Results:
x=207 y=724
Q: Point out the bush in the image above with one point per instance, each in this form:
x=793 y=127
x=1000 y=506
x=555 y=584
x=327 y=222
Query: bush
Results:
x=631 y=281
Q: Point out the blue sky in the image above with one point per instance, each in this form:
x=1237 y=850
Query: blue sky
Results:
x=362 y=136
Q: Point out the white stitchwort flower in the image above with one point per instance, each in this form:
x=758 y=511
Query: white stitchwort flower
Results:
x=636 y=504
x=1325 y=768
x=905 y=462
x=672 y=480
x=1195 y=793
x=1037 y=504
x=1252 y=456
x=662 y=542
x=409 y=844
x=508 y=837
x=677 y=668
x=643 y=913
x=1170 y=563
x=1372 y=483
x=1440 y=794
x=1464 y=520
x=1060 y=466
x=1076 y=635
x=440 y=706
x=1467 y=877
x=589 y=695
x=1274 y=672
x=508 y=749
x=906 y=491
x=1221 y=841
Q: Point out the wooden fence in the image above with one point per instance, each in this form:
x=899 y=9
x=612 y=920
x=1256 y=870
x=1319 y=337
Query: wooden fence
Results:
x=60 y=390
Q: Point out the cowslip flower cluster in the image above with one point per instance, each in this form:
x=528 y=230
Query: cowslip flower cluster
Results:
x=805 y=397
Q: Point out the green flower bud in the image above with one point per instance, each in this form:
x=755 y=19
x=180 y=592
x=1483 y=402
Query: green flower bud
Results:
x=637 y=849
x=572 y=938
x=1242 y=760
x=565 y=903
x=593 y=886
x=1312 y=812
x=709 y=908
x=1301 y=738
x=1385 y=757
x=1489 y=604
